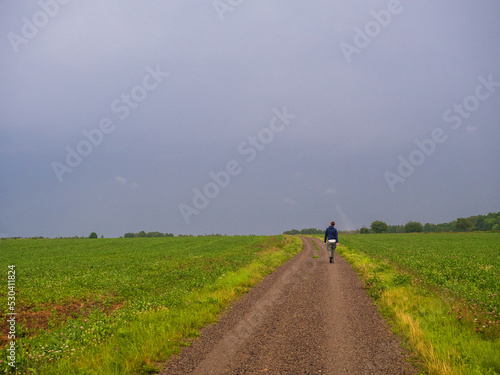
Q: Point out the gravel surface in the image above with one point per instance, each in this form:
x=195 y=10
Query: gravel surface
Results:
x=307 y=317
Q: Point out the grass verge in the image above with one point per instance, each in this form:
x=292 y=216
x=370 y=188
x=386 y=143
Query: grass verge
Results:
x=441 y=330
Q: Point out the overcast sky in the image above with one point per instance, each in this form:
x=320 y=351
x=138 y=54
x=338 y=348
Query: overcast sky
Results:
x=246 y=117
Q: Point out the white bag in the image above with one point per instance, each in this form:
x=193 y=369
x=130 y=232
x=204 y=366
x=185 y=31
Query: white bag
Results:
x=332 y=241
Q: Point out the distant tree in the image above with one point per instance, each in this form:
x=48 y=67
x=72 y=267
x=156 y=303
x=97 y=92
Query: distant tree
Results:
x=129 y=235
x=379 y=226
x=311 y=231
x=141 y=234
x=154 y=234
x=413 y=226
x=443 y=227
x=429 y=227
x=392 y=228
x=452 y=226
x=93 y=235
x=489 y=222
x=364 y=230
x=464 y=225
x=478 y=222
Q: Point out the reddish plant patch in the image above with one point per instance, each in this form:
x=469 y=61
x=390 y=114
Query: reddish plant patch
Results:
x=31 y=319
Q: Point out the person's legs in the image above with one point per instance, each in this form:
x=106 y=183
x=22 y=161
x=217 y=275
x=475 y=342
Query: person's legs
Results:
x=330 y=247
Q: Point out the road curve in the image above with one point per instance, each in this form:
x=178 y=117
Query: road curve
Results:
x=307 y=317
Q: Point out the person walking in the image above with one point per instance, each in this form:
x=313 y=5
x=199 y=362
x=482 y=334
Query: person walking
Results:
x=332 y=236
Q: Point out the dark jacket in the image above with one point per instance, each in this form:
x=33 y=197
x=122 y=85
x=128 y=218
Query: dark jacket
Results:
x=331 y=234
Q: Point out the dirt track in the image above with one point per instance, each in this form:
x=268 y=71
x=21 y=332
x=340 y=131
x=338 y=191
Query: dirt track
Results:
x=308 y=317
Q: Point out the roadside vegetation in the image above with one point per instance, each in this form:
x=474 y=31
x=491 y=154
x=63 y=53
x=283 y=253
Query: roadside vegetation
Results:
x=439 y=290
x=118 y=306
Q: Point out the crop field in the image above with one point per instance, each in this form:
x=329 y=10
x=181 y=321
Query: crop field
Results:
x=464 y=264
x=115 y=306
x=444 y=286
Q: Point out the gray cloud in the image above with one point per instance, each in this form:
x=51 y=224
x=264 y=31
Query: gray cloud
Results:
x=352 y=121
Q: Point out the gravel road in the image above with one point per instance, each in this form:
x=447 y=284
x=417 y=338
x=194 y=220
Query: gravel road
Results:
x=307 y=317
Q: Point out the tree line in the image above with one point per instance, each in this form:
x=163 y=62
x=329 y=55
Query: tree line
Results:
x=473 y=223
x=148 y=234
x=304 y=231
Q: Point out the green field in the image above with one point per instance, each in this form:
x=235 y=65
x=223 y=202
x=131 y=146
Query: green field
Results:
x=119 y=306
x=441 y=289
x=465 y=264
x=115 y=306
